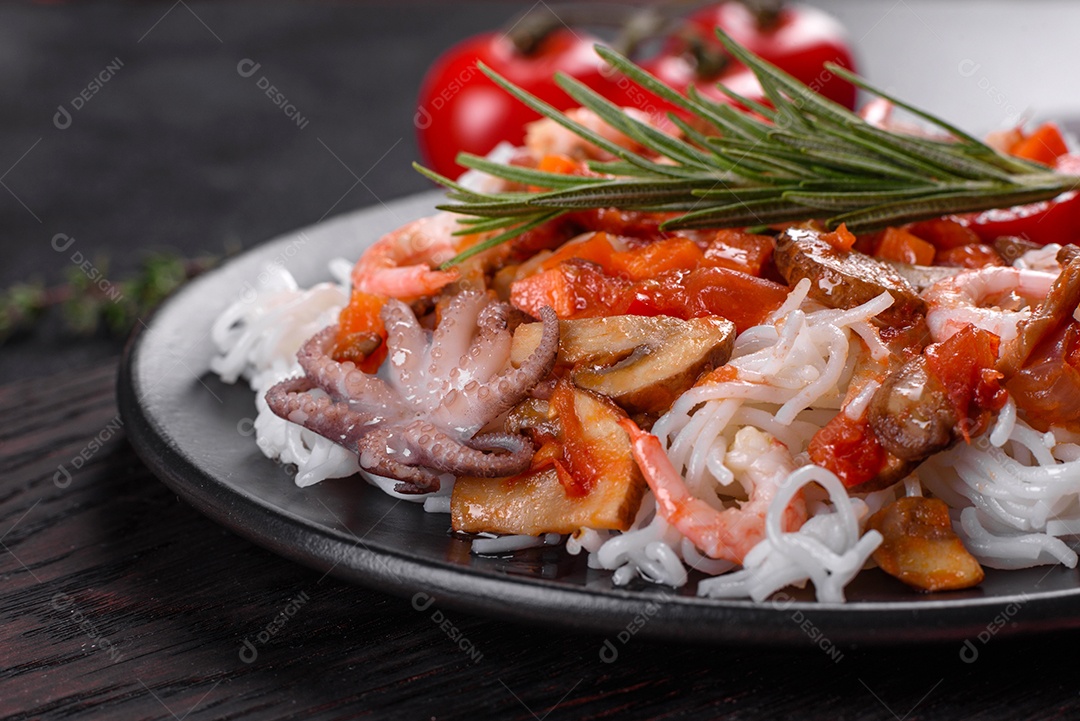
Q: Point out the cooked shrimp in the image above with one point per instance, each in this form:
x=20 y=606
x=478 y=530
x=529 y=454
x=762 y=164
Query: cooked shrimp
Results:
x=546 y=137
x=994 y=299
x=399 y=264
x=757 y=459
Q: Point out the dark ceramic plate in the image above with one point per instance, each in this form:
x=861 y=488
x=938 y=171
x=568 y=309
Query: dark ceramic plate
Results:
x=194 y=433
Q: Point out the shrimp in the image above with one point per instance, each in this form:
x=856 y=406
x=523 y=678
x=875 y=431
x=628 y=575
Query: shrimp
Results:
x=731 y=533
x=995 y=299
x=546 y=137
x=398 y=264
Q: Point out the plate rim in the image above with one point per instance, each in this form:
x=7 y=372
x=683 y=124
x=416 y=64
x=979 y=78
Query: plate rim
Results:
x=536 y=600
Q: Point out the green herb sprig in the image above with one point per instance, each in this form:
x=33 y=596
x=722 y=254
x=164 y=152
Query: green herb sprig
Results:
x=86 y=306
x=805 y=157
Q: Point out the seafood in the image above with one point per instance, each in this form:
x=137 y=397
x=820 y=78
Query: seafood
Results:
x=843 y=279
x=995 y=299
x=443 y=391
x=546 y=137
x=399 y=264
x=731 y=533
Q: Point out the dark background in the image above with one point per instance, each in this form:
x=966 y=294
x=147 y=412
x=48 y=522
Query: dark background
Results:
x=178 y=151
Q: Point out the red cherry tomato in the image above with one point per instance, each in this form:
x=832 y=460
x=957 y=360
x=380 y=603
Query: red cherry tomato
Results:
x=461 y=109
x=1050 y=221
x=797 y=39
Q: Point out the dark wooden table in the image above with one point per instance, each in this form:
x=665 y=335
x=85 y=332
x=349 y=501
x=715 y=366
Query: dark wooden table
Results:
x=119 y=601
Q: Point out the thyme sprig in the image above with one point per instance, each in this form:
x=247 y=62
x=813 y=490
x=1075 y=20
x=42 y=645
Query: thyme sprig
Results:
x=804 y=157
x=87 y=306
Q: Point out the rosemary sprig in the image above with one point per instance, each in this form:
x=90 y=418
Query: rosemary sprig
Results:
x=805 y=157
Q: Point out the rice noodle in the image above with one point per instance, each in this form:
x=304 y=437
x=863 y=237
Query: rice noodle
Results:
x=798 y=363
x=1014 y=492
x=1017 y=491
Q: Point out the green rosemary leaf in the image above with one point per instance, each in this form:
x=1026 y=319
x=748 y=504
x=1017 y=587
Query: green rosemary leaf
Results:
x=880 y=216
x=730 y=121
x=486 y=225
x=580 y=130
x=649 y=82
x=490 y=209
x=599 y=195
x=805 y=157
x=947 y=127
x=518 y=174
x=619 y=168
x=754 y=212
x=501 y=238
x=445 y=182
x=837 y=202
x=648 y=136
x=736 y=194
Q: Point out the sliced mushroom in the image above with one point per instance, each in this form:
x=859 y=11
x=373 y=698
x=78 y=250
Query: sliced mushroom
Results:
x=911 y=413
x=920 y=547
x=643 y=363
x=922 y=277
x=840 y=279
x=537 y=502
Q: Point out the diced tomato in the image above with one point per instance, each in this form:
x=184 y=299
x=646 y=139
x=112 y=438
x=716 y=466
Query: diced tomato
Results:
x=849 y=449
x=943 y=233
x=1050 y=221
x=575 y=289
x=842 y=239
x=562 y=164
x=677 y=253
x=904 y=247
x=363 y=315
x=975 y=255
x=550 y=450
x=964 y=363
x=596 y=249
x=723 y=374
x=867 y=243
x=1043 y=145
x=547 y=236
x=738 y=250
x=634 y=223
x=578 y=469
x=739 y=297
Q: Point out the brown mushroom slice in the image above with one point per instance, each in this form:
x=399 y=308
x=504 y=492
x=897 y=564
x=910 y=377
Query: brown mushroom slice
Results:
x=921 y=277
x=911 y=414
x=536 y=502
x=920 y=547
x=840 y=279
x=643 y=363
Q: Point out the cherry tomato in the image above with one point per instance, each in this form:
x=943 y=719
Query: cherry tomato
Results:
x=797 y=39
x=681 y=70
x=461 y=109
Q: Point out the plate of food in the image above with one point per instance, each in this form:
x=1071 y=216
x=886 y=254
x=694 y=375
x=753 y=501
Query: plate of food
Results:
x=761 y=372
